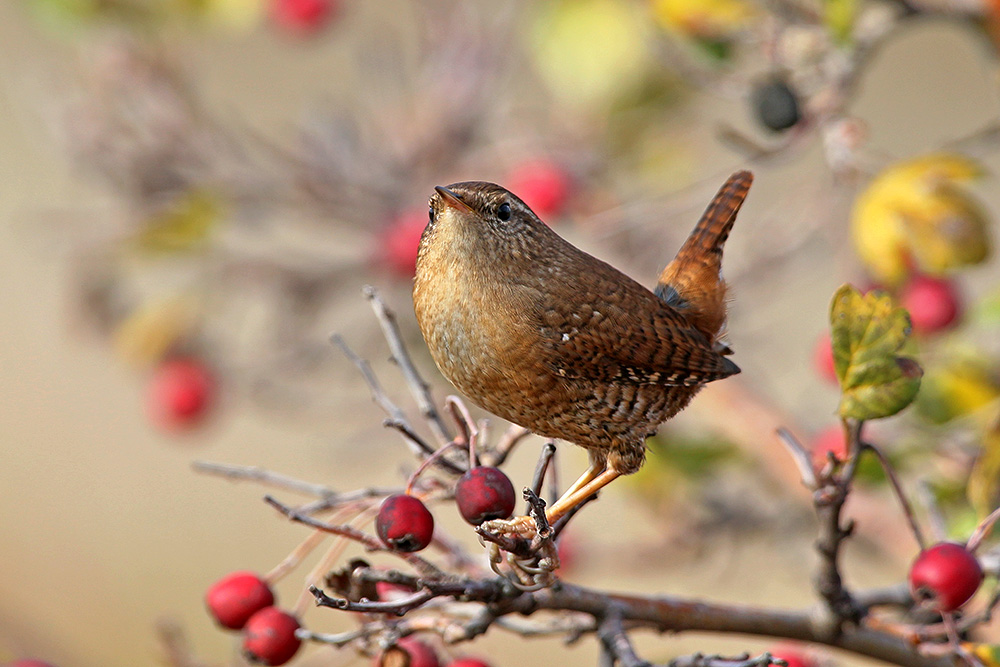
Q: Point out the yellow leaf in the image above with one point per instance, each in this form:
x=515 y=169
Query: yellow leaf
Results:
x=962 y=383
x=589 y=51
x=184 y=226
x=704 y=19
x=148 y=333
x=868 y=332
x=984 y=481
x=919 y=214
x=989 y=654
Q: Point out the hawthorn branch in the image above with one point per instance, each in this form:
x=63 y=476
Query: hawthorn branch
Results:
x=356 y=535
x=418 y=386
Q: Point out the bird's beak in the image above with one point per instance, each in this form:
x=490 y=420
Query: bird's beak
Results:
x=451 y=200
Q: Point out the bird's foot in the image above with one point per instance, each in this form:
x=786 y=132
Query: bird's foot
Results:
x=530 y=555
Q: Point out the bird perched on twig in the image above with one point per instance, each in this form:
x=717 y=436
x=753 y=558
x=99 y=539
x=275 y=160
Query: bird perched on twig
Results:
x=546 y=336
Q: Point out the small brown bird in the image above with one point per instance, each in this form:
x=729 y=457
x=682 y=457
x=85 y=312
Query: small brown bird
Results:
x=546 y=336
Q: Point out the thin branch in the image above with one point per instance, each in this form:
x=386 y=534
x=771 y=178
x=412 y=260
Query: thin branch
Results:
x=897 y=488
x=238 y=473
x=829 y=503
x=982 y=530
x=369 y=542
x=541 y=467
x=418 y=386
x=378 y=395
x=508 y=441
x=397 y=607
x=701 y=660
x=803 y=460
x=613 y=637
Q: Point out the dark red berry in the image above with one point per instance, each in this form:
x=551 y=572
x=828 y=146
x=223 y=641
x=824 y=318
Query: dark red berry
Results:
x=468 y=662
x=397 y=244
x=404 y=523
x=418 y=653
x=303 y=17
x=823 y=358
x=236 y=597
x=484 y=493
x=775 y=104
x=541 y=184
x=933 y=303
x=180 y=394
x=269 y=637
x=945 y=576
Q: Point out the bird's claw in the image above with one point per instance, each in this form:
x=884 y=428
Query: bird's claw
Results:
x=530 y=559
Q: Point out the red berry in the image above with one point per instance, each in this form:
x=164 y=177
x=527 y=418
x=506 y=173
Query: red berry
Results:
x=484 y=493
x=398 y=243
x=180 y=394
x=404 y=523
x=793 y=655
x=420 y=654
x=831 y=439
x=933 y=303
x=468 y=662
x=303 y=17
x=236 y=597
x=269 y=637
x=541 y=184
x=945 y=575
x=823 y=358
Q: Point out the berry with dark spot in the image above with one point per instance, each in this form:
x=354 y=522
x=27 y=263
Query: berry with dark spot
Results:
x=404 y=523
x=945 y=576
x=484 y=493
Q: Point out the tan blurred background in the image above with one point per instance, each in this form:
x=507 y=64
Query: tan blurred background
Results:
x=104 y=528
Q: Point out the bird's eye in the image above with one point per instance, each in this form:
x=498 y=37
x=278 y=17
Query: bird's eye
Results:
x=504 y=212
x=430 y=214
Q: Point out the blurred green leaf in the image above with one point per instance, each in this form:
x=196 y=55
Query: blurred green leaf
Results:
x=867 y=331
x=186 y=225
x=839 y=18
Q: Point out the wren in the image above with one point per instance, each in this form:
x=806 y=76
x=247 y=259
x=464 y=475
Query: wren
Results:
x=544 y=335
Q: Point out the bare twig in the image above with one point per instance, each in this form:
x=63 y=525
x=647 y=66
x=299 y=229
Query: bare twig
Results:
x=615 y=640
x=508 y=441
x=418 y=386
x=700 y=660
x=544 y=458
x=262 y=476
x=982 y=530
x=397 y=607
x=369 y=542
x=897 y=488
x=801 y=457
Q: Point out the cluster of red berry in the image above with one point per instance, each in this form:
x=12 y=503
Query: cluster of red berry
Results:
x=244 y=601
x=483 y=493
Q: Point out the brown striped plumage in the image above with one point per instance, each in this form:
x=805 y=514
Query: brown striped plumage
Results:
x=546 y=336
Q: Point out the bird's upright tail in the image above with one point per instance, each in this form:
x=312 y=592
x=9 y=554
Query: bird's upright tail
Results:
x=693 y=282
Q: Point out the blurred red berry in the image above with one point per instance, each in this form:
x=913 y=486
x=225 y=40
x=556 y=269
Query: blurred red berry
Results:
x=389 y=591
x=484 y=493
x=541 y=184
x=398 y=243
x=945 y=576
x=236 y=597
x=303 y=17
x=823 y=359
x=793 y=655
x=468 y=662
x=933 y=303
x=831 y=439
x=404 y=523
x=181 y=392
x=269 y=637
x=420 y=654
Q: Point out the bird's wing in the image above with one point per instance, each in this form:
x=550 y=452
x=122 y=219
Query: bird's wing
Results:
x=627 y=334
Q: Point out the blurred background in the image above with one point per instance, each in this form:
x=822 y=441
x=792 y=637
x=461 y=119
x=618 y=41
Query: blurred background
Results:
x=194 y=192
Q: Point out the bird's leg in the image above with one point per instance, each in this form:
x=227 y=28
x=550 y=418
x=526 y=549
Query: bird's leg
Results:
x=592 y=483
x=595 y=469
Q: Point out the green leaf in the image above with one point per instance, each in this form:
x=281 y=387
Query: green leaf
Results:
x=868 y=331
x=186 y=225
